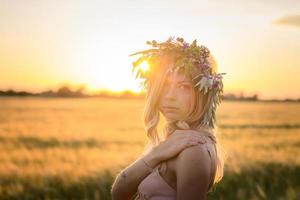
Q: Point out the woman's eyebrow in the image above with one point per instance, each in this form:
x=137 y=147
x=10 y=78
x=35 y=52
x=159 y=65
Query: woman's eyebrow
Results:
x=184 y=81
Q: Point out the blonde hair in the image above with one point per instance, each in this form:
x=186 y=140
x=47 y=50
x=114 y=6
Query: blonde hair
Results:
x=151 y=113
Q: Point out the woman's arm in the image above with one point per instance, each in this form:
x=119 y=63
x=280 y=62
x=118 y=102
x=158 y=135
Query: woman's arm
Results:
x=127 y=181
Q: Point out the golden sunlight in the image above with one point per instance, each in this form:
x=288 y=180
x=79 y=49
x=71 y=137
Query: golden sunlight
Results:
x=144 y=66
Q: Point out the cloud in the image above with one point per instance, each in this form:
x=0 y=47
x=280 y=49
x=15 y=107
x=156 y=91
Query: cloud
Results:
x=289 y=20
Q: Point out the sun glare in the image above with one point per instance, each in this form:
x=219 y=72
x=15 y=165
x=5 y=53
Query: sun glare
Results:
x=144 y=66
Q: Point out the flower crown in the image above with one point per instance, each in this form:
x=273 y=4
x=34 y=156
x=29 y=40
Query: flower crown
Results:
x=186 y=55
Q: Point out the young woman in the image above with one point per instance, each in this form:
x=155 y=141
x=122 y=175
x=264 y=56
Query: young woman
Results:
x=185 y=161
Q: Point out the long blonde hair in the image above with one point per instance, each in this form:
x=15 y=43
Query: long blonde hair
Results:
x=151 y=113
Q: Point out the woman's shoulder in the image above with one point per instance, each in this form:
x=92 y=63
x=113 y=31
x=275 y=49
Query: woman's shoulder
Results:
x=193 y=165
x=200 y=153
x=195 y=156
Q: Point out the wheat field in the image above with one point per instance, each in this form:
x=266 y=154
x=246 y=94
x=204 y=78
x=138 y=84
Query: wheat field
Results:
x=72 y=148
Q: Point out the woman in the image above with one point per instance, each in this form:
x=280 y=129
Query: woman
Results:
x=185 y=161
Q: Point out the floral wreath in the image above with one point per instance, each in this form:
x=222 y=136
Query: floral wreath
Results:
x=186 y=55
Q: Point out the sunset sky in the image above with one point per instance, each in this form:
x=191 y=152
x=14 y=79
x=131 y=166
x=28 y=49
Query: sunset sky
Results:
x=45 y=44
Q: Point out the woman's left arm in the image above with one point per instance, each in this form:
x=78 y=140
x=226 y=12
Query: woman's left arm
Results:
x=193 y=169
x=126 y=183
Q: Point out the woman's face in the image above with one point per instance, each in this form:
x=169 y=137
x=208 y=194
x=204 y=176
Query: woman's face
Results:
x=177 y=93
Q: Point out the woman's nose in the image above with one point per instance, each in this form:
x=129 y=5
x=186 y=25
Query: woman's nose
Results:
x=170 y=93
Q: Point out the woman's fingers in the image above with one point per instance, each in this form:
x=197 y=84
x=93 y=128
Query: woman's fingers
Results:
x=180 y=140
x=195 y=140
x=181 y=134
x=192 y=143
x=201 y=139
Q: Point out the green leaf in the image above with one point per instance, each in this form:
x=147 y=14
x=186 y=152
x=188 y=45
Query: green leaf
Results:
x=194 y=43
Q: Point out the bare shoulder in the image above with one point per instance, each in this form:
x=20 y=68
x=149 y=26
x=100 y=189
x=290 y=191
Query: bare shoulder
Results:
x=196 y=157
x=193 y=169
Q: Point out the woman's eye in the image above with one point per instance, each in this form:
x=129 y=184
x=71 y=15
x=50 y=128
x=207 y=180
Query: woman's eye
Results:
x=184 y=86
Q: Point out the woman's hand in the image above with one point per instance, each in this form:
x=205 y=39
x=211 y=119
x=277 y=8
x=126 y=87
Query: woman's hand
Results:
x=176 y=142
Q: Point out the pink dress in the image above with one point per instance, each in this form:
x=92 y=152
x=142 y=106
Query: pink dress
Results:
x=154 y=187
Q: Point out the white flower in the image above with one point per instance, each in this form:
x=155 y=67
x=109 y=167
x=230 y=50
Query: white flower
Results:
x=206 y=83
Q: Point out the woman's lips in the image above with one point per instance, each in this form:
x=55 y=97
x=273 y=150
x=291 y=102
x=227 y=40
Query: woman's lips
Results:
x=171 y=109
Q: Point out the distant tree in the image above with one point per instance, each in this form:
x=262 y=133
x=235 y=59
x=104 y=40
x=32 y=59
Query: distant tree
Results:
x=80 y=90
x=64 y=91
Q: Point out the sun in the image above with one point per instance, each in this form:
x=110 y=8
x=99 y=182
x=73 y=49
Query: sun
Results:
x=144 y=66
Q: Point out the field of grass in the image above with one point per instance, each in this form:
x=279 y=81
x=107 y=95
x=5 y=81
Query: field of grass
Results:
x=72 y=148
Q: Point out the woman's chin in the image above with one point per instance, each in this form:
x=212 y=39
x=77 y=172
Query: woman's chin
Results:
x=170 y=118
